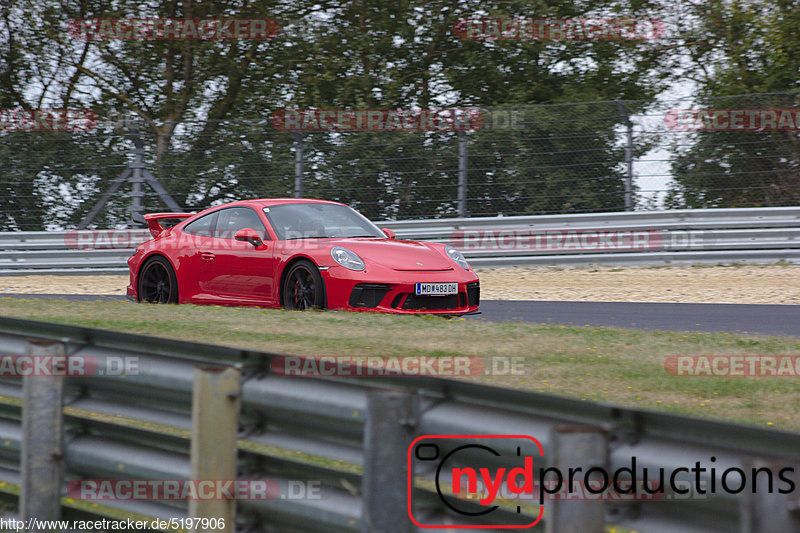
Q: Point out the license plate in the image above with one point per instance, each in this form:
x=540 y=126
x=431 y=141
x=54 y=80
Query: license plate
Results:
x=436 y=289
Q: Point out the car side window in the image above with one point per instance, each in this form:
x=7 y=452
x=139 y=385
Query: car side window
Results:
x=203 y=226
x=233 y=219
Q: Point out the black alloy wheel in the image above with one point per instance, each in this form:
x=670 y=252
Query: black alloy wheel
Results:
x=303 y=288
x=157 y=282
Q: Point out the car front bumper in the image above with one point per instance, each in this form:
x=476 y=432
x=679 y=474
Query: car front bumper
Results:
x=357 y=291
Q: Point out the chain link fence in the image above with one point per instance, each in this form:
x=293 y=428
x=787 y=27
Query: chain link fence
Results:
x=548 y=159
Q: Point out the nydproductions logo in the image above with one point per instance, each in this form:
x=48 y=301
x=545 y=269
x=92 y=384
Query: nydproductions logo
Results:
x=172 y=29
x=732 y=119
x=478 y=475
x=47 y=119
x=570 y=29
x=458 y=467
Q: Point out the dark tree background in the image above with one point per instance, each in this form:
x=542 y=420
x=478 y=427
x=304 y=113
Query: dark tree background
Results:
x=204 y=106
x=735 y=49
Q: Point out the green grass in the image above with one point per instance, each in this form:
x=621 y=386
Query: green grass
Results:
x=590 y=363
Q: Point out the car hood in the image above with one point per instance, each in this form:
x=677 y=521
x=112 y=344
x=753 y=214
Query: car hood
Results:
x=398 y=255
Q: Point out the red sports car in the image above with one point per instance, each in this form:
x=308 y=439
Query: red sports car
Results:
x=298 y=254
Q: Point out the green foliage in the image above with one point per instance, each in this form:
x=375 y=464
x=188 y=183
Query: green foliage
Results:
x=205 y=106
x=740 y=48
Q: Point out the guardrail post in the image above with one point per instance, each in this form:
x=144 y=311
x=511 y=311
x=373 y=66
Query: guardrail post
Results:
x=574 y=447
x=216 y=397
x=42 y=437
x=764 y=511
x=391 y=419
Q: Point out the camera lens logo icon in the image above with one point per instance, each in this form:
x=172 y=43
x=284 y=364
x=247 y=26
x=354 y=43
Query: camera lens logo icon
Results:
x=487 y=480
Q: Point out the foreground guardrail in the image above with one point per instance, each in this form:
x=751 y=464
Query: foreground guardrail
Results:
x=368 y=423
x=751 y=235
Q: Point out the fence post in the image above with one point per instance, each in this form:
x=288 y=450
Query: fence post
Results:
x=628 y=155
x=462 y=173
x=391 y=420
x=42 y=437
x=572 y=447
x=137 y=175
x=137 y=178
x=299 y=148
x=216 y=397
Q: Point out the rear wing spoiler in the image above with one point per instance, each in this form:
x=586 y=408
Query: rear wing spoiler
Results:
x=151 y=219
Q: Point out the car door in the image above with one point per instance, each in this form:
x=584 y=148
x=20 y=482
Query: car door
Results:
x=193 y=266
x=239 y=272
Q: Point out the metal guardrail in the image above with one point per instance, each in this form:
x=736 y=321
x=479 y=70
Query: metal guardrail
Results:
x=64 y=252
x=354 y=420
x=753 y=235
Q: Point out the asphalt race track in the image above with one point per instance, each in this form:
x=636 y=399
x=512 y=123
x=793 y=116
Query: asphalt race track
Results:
x=781 y=320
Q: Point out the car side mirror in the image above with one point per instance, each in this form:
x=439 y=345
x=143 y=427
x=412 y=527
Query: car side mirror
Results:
x=248 y=235
x=389 y=233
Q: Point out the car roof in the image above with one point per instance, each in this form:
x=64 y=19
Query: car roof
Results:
x=267 y=202
x=258 y=203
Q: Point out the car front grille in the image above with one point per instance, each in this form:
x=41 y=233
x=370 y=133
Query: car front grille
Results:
x=420 y=302
x=473 y=293
x=368 y=294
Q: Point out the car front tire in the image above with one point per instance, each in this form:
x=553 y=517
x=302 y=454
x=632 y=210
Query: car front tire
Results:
x=303 y=288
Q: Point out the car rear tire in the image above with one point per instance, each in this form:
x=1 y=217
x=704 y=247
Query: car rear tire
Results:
x=157 y=282
x=303 y=288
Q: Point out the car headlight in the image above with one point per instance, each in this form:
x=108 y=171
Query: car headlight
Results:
x=457 y=257
x=347 y=259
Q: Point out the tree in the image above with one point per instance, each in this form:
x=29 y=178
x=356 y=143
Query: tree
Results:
x=737 y=49
x=205 y=104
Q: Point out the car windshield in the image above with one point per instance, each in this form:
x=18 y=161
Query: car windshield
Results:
x=319 y=221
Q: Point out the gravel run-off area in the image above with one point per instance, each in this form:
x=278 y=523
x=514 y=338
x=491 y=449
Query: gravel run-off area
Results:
x=754 y=284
